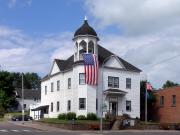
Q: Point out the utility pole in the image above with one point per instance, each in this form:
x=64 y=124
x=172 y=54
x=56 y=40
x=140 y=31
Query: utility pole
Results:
x=22 y=98
x=101 y=119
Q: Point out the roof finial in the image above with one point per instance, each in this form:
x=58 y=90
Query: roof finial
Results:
x=85 y=18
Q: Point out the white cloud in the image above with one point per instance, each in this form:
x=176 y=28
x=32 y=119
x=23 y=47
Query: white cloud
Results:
x=150 y=31
x=22 y=3
x=146 y=51
x=23 y=53
x=136 y=16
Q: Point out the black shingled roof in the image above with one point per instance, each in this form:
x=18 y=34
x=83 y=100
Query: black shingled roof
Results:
x=28 y=94
x=85 y=29
x=103 y=53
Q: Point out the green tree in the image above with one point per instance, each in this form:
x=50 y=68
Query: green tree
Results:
x=6 y=83
x=7 y=95
x=5 y=101
x=31 y=80
x=150 y=102
x=169 y=83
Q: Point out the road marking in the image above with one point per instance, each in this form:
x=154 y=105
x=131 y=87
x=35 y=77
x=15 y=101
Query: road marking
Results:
x=15 y=130
x=3 y=130
x=26 y=130
x=91 y=134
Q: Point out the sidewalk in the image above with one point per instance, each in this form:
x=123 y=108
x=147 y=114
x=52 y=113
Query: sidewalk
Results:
x=54 y=129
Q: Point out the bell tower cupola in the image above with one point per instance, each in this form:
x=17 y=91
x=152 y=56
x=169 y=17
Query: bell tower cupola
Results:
x=85 y=40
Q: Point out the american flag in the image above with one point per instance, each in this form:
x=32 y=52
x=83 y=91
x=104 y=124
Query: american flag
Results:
x=90 y=68
x=149 y=87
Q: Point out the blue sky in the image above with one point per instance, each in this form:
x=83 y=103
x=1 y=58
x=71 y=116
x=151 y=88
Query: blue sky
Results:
x=40 y=17
x=143 y=32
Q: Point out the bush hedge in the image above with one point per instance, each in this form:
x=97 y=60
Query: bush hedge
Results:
x=62 y=116
x=91 y=116
x=81 y=117
x=71 y=115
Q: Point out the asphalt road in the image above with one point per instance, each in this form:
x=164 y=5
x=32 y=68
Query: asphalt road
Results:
x=11 y=129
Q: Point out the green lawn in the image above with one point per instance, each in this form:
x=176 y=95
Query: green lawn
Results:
x=57 y=121
x=15 y=113
x=149 y=123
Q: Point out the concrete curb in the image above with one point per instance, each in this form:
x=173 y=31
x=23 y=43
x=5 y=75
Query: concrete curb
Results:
x=54 y=129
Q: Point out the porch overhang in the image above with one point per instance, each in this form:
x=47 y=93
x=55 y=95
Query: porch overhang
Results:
x=114 y=92
x=40 y=107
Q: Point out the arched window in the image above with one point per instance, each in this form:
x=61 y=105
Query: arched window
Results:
x=82 y=47
x=91 y=47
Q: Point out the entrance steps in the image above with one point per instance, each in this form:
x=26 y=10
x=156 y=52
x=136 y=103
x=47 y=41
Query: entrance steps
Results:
x=117 y=123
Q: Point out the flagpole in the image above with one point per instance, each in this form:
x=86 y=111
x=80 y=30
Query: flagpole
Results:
x=146 y=104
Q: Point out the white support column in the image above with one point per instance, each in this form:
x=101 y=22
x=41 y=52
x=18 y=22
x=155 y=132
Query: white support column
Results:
x=87 y=51
x=78 y=51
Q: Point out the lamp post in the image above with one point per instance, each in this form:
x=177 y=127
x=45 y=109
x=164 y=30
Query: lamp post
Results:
x=22 y=99
x=101 y=120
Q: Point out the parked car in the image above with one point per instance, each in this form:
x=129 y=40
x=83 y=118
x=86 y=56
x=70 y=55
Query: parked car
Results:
x=19 y=118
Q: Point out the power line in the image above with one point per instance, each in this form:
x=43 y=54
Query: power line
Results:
x=163 y=61
x=24 y=65
x=36 y=64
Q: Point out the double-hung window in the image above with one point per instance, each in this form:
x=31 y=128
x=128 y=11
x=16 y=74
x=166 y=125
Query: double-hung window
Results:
x=82 y=103
x=45 y=90
x=52 y=87
x=58 y=106
x=173 y=100
x=51 y=106
x=161 y=100
x=58 y=85
x=81 y=78
x=128 y=83
x=128 y=106
x=69 y=83
x=69 y=105
x=113 y=82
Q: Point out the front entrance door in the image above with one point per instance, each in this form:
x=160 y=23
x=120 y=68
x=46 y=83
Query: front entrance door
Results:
x=113 y=108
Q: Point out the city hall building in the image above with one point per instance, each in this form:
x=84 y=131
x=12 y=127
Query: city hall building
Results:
x=64 y=89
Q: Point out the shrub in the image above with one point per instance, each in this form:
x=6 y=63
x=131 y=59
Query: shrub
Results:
x=62 y=116
x=71 y=115
x=177 y=126
x=164 y=126
x=81 y=117
x=126 y=116
x=2 y=111
x=91 y=116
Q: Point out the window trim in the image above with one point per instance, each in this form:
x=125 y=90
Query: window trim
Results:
x=58 y=85
x=69 y=105
x=45 y=90
x=84 y=103
x=128 y=83
x=173 y=100
x=52 y=87
x=82 y=79
x=113 y=82
x=52 y=106
x=130 y=106
x=161 y=101
x=69 y=83
x=58 y=106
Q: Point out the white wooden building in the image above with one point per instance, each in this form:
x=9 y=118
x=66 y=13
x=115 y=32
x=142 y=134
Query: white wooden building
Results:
x=64 y=90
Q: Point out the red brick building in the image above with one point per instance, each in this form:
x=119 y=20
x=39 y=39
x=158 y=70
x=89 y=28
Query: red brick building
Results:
x=167 y=107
